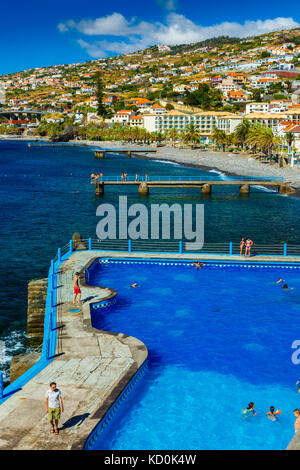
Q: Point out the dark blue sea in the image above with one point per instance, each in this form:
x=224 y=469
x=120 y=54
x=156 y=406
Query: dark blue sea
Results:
x=46 y=196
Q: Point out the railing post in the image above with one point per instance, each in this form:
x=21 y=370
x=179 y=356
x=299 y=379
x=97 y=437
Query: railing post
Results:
x=180 y=247
x=71 y=246
x=59 y=255
x=129 y=246
x=285 y=249
x=90 y=244
x=52 y=273
x=47 y=348
x=230 y=248
x=1 y=385
x=51 y=299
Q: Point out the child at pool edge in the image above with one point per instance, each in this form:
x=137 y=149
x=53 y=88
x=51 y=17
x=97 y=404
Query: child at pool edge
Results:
x=272 y=414
x=250 y=409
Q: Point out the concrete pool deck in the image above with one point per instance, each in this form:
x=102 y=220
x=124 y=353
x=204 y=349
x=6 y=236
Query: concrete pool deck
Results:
x=91 y=367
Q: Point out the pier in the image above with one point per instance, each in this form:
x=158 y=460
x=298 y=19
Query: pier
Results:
x=205 y=185
x=100 y=153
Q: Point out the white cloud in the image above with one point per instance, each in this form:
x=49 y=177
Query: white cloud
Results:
x=177 y=29
x=113 y=25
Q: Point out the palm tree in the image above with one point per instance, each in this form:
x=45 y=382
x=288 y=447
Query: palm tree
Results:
x=219 y=137
x=290 y=138
x=191 y=135
x=262 y=137
x=173 y=134
x=242 y=130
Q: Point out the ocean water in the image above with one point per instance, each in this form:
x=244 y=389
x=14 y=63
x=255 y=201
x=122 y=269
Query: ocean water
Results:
x=46 y=196
x=218 y=338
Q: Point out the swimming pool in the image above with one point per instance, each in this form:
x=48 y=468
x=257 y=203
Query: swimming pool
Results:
x=218 y=338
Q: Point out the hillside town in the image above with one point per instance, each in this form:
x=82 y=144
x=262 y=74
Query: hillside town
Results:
x=219 y=92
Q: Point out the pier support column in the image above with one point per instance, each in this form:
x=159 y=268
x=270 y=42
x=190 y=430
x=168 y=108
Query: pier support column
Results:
x=99 y=188
x=206 y=189
x=285 y=189
x=245 y=189
x=143 y=189
x=99 y=154
x=128 y=153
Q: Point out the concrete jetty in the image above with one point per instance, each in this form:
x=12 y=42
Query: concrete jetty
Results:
x=91 y=368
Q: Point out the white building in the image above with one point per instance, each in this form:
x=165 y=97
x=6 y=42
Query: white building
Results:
x=122 y=117
x=257 y=108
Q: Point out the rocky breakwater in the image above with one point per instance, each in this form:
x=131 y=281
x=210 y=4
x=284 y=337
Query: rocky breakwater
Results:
x=37 y=293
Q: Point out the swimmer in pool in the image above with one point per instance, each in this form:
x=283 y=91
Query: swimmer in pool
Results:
x=250 y=410
x=280 y=280
x=272 y=414
x=298 y=386
x=198 y=265
x=135 y=284
x=286 y=287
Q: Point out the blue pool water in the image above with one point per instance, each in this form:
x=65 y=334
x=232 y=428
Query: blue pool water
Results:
x=218 y=338
x=46 y=196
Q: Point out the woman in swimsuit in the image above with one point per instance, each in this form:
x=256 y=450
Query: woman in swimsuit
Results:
x=249 y=244
x=77 y=290
x=242 y=244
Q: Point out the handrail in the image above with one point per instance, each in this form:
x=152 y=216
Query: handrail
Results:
x=187 y=178
x=178 y=246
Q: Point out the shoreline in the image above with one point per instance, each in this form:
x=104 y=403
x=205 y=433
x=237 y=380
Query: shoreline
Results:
x=239 y=164
x=227 y=163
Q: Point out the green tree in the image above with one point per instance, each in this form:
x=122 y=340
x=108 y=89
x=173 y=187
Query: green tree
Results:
x=290 y=138
x=101 y=111
x=241 y=131
x=263 y=137
x=191 y=135
x=205 y=97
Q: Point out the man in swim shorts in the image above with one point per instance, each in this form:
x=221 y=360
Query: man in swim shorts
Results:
x=54 y=406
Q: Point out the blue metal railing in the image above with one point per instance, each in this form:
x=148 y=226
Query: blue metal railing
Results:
x=179 y=246
x=163 y=178
x=50 y=324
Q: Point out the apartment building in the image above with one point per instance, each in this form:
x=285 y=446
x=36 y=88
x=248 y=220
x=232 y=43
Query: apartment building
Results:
x=204 y=121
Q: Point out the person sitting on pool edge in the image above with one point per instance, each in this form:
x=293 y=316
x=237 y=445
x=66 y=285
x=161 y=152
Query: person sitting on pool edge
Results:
x=297 y=422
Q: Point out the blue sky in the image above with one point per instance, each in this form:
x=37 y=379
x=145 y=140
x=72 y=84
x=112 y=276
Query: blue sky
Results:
x=34 y=34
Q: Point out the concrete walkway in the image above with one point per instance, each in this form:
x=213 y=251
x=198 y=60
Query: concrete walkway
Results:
x=91 y=370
